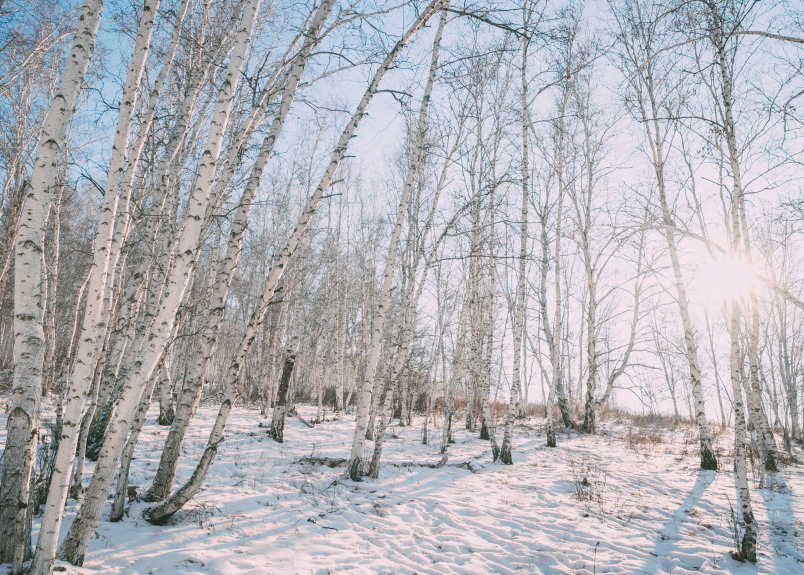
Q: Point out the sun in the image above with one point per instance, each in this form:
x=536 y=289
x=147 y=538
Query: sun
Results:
x=725 y=279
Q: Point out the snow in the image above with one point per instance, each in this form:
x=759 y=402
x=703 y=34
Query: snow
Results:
x=646 y=508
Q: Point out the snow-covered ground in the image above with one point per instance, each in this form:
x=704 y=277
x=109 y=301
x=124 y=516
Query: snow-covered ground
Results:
x=646 y=508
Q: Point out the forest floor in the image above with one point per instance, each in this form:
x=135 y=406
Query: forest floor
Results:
x=630 y=500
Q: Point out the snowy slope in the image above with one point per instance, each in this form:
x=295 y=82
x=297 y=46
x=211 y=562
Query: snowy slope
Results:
x=646 y=508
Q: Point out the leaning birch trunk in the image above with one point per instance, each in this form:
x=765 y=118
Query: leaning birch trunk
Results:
x=410 y=304
x=159 y=513
x=708 y=457
x=96 y=317
x=121 y=488
x=151 y=295
x=519 y=305
x=130 y=339
x=24 y=411
x=749 y=541
x=74 y=547
x=656 y=141
x=385 y=417
x=166 y=412
x=191 y=391
x=116 y=365
x=121 y=336
x=355 y=468
x=78 y=475
x=277 y=429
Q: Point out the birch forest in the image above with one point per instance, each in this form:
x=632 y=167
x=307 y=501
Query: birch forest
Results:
x=401 y=286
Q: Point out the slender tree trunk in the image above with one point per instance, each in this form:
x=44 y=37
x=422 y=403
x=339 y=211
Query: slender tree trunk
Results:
x=23 y=421
x=277 y=430
x=121 y=488
x=787 y=373
x=749 y=540
x=166 y=412
x=489 y=403
x=355 y=468
x=519 y=304
x=387 y=415
x=410 y=301
x=49 y=368
x=74 y=547
x=708 y=458
x=78 y=475
x=190 y=394
x=452 y=380
x=555 y=348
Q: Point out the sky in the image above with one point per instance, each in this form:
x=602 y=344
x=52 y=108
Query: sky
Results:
x=380 y=134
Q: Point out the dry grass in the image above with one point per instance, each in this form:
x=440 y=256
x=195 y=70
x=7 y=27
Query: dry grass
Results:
x=588 y=482
x=641 y=439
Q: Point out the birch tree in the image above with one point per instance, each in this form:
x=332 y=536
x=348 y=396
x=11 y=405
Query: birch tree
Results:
x=640 y=33
x=73 y=548
x=24 y=412
x=175 y=502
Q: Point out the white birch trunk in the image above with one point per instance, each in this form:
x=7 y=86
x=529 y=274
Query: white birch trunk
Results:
x=277 y=429
x=749 y=540
x=166 y=411
x=121 y=488
x=519 y=304
x=78 y=537
x=555 y=348
x=159 y=513
x=355 y=467
x=453 y=379
x=411 y=304
x=23 y=421
x=191 y=391
x=488 y=413
x=656 y=139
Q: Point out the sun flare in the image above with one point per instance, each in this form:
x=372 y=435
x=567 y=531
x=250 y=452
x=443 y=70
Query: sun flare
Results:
x=725 y=279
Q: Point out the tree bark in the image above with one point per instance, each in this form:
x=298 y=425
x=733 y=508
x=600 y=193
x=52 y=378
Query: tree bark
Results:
x=23 y=421
x=121 y=488
x=74 y=547
x=191 y=391
x=519 y=304
x=166 y=412
x=277 y=430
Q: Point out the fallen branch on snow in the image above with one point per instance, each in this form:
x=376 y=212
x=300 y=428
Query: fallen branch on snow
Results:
x=335 y=462
x=331 y=462
x=295 y=414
